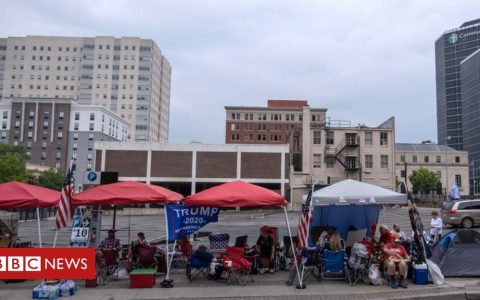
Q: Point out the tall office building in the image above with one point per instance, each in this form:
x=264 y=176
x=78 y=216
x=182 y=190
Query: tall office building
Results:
x=451 y=48
x=127 y=75
x=470 y=78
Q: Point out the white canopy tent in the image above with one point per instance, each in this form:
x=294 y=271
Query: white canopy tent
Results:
x=353 y=191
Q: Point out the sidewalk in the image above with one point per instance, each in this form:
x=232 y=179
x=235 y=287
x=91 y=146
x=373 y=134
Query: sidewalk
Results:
x=264 y=287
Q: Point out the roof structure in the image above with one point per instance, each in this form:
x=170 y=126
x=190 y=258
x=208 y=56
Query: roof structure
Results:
x=423 y=147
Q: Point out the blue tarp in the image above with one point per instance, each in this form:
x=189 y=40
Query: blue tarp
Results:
x=359 y=216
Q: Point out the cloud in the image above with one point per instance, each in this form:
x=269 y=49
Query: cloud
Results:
x=363 y=60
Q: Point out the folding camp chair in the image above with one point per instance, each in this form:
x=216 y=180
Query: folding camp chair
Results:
x=241 y=241
x=196 y=267
x=358 y=264
x=308 y=263
x=218 y=242
x=237 y=265
x=334 y=265
x=110 y=266
x=146 y=257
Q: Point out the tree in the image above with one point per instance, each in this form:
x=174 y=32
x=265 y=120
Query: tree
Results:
x=52 y=179
x=423 y=180
x=12 y=163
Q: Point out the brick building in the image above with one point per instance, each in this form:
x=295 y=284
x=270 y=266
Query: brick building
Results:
x=190 y=168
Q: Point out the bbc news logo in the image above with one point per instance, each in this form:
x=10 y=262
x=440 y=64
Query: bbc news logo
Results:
x=56 y=263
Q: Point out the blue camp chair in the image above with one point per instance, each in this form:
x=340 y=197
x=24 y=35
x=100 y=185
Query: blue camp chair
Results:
x=334 y=266
x=197 y=267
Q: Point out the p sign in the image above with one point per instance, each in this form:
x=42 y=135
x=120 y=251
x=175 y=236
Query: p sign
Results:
x=92 y=177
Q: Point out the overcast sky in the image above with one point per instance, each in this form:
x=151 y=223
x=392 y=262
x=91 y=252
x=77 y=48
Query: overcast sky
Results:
x=364 y=61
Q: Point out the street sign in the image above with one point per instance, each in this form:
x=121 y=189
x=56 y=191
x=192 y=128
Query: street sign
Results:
x=80 y=231
x=92 y=177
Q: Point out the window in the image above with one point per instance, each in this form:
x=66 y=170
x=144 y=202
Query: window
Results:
x=74 y=155
x=17 y=124
x=235 y=137
x=75 y=136
x=60 y=135
x=29 y=145
x=75 y=146
x=91 y=126
x=44 y=145
x=402 y=173
x=32 y=114
x=75 y=126
x=457 y=159
x=384 y=161
x=317 y=137
x=61 y=115
x=368 y=161
x=43 y=155
x=89 y=156
x=5 y=114
x=368 y=138
x=317 y=160
x=89 y=166
x=426 y=159
x=59 y=155
x=439 y=174
x=45 y=125
x=437 y=159
x=30 y=134
x=383 y=138
x=92 y=117
x=402 y=158
x=30 y=124
x=458 y=180
x=90 y=136
x=330 y=140
x=414 y=158
x=90 y=146
x=77 y=116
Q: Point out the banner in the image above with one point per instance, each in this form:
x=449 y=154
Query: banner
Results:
x=185 y=220
x=47 y=263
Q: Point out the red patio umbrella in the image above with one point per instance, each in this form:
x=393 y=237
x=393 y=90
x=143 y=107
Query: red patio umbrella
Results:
x=16 y=194
x=236 y=194
x=125 y=193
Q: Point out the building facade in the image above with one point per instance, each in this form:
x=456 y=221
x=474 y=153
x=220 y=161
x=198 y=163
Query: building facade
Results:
x=470 y=78
x=266 y=125
x=190 y=168
x=451 y=48
x=127 y=75
x=56 y=130
x=450 y=165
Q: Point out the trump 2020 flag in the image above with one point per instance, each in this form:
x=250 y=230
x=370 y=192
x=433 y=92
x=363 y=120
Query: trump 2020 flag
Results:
x=185 y=220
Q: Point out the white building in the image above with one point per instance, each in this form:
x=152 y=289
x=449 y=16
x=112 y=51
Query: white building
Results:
x=450 y=165
x=127 y=75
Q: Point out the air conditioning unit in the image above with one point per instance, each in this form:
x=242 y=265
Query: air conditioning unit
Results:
x=317 y=180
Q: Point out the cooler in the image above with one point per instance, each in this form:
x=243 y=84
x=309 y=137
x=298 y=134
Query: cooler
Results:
x=142 y=278
x=420 y=273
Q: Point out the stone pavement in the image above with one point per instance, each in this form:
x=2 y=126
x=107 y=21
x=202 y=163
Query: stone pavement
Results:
x=264 y=287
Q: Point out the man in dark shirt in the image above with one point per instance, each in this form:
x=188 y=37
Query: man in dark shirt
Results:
x=266 y=249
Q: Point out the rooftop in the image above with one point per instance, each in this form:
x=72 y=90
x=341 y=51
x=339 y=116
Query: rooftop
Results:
x=423 y=147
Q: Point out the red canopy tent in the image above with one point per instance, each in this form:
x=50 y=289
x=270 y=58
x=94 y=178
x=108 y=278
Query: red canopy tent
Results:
x=16 y=194
x=125 y=193
x=236 y=194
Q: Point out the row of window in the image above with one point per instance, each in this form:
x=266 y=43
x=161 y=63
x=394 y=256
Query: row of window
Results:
x=261 y=127
x=31 y=114
x=259 y=137
x=317 y=161
x=273 y=117
x=351 y=138
x=426 y=159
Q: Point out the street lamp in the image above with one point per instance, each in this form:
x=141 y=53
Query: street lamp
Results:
x=446 y=166
x=472 y=163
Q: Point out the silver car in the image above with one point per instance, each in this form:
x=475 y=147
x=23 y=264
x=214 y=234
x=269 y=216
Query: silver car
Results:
x=465 y=213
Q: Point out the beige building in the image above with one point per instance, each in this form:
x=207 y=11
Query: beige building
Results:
x=127 y=75
x=450 y=165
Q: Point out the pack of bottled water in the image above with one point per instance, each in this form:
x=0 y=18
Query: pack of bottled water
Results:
x=64 y=288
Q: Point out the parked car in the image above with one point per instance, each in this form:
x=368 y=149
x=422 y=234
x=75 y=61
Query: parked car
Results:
x=465 y=213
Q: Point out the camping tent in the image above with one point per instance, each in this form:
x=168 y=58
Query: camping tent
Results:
x=353 y=191
x=16 y=194
x=457 y=253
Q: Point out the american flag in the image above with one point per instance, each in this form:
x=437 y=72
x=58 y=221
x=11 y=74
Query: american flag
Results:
x=65 y=209
x=304 y=221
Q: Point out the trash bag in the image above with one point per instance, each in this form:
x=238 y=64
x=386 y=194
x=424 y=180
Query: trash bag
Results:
x=374 y=275
x=435 y=273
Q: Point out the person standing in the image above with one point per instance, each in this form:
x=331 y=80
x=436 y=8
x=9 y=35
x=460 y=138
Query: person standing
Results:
x=266 y=248
x=436 y=226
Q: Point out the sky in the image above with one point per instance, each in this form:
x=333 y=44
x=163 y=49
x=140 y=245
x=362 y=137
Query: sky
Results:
x=365 y=61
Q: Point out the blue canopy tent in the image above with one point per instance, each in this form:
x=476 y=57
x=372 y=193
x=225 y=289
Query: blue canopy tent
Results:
x=351 y=203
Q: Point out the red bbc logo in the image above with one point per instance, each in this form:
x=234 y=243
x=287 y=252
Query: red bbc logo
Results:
x=57 y=263
x=20 y=263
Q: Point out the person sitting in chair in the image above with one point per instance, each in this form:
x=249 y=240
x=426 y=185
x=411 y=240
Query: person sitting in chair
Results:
x=110 y=242
x=395 y=259
x=266 y=248
x=137 y=244
x=325 y=237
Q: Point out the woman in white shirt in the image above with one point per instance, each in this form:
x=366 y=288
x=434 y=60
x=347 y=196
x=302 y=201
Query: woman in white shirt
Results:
x=436 y=227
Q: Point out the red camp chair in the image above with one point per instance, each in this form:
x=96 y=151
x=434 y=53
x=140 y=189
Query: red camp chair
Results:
x=237 y=265
x=146 y=257
x=110 y=266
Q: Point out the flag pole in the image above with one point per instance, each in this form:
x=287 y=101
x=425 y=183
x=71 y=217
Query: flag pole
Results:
x=308 y=229
x=167 y=282
x=291 y=243
x=55 y=238
x=39 y=230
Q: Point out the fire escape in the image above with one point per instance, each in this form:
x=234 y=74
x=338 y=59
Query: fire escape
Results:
x=345 y=154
